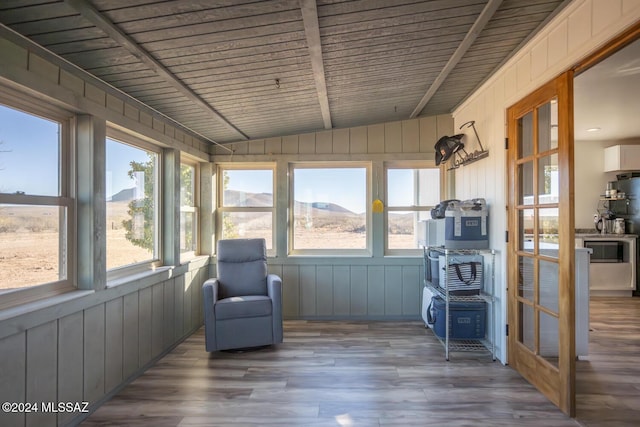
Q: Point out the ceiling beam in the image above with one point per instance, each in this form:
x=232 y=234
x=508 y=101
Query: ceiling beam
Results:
x=312 y=31
x=473 y=33
x=99 y=20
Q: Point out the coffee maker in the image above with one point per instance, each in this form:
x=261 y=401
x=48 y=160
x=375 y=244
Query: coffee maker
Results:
x=605 y=223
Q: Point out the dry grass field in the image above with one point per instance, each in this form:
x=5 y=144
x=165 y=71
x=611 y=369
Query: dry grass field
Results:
x=29 y=250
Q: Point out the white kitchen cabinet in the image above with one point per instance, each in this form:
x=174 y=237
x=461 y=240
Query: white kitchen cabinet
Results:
x=622 y=158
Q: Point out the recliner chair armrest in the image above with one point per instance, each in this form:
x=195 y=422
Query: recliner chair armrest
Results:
x=274 y=287
x=210 y=296
x=274 y=291
x=211 y=285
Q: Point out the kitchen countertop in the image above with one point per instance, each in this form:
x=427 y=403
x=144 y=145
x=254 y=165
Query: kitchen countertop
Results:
x=608 y=236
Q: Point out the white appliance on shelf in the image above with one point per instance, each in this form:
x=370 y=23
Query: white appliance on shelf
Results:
x=431 y=232
x=427 y=296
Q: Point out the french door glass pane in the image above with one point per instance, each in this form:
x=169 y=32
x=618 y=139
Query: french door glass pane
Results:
x=548 y=288
x=525 y=136
x=526 y=227
x=548 y=126
x=548 y=181
x=525 y=277
x=548 y=237
x=525 y=174
x=526 y=333
x=549 y=338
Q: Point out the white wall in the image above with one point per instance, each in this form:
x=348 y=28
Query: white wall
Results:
x=580 y=29
x=590 y=180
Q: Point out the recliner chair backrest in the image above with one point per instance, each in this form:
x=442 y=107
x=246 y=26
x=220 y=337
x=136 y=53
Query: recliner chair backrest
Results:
x=242 y=267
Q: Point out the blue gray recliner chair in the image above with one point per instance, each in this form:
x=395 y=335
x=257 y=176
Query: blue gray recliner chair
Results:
x=243 y=305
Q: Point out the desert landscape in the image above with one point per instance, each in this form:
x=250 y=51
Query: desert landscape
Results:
x=29 y=249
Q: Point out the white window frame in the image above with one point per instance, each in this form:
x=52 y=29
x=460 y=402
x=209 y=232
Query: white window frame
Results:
x=364 y=252
x=408 y=164
x=66 y=199
x=195 y=208
x=117 y=273
x=221 y=210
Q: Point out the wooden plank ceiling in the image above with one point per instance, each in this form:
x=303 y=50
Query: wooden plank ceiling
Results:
x=212 y=65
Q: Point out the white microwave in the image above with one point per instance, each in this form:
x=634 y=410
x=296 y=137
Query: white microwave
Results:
x=431 y=232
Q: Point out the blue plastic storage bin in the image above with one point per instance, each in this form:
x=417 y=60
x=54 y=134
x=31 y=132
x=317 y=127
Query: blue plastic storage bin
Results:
x=467 y=225
x=468 y=319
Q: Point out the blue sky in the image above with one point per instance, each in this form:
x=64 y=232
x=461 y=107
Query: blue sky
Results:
x=30 y=150
x=119 y=157
x=343 y=186
x=28 y=154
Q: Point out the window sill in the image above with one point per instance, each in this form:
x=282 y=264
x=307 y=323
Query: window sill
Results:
x=26 y=308
x=198 y=260
x=329 y=253
x=138 y=276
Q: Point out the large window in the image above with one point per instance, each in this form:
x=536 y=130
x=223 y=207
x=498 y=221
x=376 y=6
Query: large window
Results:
x=411 y=193
x=35 y=200
x=246 y=202
x=329 y=208
x=188 y=211
x=132 y=193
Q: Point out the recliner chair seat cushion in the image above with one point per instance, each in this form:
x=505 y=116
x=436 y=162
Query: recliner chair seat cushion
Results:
x=244 y=306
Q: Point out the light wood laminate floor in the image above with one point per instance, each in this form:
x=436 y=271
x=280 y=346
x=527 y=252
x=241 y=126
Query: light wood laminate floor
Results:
x=378 y=374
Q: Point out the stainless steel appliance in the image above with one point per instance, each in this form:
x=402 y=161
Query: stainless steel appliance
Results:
x=604 y=224
x=628 y=207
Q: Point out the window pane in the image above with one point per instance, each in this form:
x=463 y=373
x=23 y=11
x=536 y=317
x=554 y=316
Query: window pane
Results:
x=32 y=245
x=187 y=232
x=131 y=204
x=330 y=208
x=402 y=226
x=413 y=187
x=29 y=154
x=188 y=216
x=247 y=188
x=246 y=225
x=187 y=185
